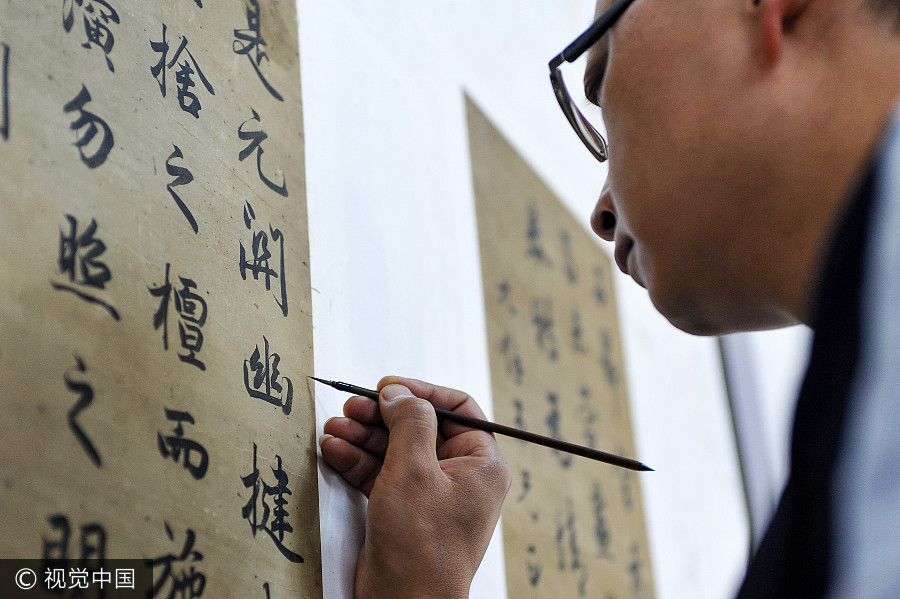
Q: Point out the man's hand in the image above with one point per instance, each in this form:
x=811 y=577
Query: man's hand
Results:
x=435 y=492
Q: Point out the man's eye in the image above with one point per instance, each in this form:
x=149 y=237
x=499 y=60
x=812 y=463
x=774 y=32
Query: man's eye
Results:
x=594 y=83
x=593 y=79
x=594 y=97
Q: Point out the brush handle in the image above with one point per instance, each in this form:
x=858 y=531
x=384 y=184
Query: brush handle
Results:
x=508 y=431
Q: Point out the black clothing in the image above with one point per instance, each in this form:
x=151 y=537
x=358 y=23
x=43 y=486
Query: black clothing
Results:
x=794 y=560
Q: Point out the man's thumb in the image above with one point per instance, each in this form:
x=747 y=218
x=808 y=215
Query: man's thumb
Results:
x=411 y=421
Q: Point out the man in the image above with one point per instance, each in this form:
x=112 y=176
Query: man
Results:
x=754 y=183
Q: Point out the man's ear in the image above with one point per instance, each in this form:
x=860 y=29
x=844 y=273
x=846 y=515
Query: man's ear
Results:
x=774 y=20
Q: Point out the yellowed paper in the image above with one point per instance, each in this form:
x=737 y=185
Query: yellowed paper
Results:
x=155 y=324
x=572 y=527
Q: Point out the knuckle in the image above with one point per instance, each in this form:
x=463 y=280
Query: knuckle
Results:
x=414 y=404
x=357 y=468
x=500 y=473
x=363 y=473
x=368 y=433
x=413 y=410
x=495 y=475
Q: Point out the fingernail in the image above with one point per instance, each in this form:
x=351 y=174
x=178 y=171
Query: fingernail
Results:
x=392 y=392
x=323 y=438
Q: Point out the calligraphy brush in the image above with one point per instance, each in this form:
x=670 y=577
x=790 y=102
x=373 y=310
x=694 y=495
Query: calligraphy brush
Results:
x=508 y=431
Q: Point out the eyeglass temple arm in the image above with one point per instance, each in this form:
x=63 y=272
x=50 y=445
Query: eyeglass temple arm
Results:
x=590 y=36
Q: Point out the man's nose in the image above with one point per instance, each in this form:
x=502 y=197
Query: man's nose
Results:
x=603 y=219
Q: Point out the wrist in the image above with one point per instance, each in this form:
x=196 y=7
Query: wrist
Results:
x=410 y=589
x=440 y=593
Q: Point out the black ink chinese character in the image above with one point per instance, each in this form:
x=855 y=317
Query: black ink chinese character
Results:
x=86 y=396
x=600 y=293
x=534 y=569
x=90 y=122
x=173 y=445
x=505 y=292
x=277 y=526
x=96 y=24
x=182 y=177
x=250 y=40
x=589 y=417
x=526 y=485
x=565 y=459
x=91 y=545
x=535 y=248
x=4 y=91
x=565 y=531
x=79 y=261
x=191 y=309
x=577 y=333
x=634 y=567
x=57 y=550
x=266 y=379
x=261 y=257
x=185 y=584
x=93 y=273
x=509 y=349
x=520 y=414
x=601 y=529
x=606 y=358
x=256 y=138
x=542 y=318
x=188 y=100
x=569 y=257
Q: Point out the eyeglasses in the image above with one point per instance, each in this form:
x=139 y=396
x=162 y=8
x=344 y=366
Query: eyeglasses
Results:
x=585 y=130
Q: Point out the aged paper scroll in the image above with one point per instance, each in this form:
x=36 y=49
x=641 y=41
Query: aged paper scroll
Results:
x=155 y=325
x=572 y=527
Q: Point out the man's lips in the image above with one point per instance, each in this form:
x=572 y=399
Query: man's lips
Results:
x=623 y=248
x=622 y=254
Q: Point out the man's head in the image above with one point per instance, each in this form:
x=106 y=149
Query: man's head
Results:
x=736 y=129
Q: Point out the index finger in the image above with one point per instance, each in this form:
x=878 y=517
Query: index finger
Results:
x=440 y=397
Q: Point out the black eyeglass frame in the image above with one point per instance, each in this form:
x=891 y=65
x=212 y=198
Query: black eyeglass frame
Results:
x=583 y=128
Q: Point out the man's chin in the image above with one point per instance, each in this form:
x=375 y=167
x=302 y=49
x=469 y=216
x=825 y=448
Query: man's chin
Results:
x=705 y=322
x=692 y=318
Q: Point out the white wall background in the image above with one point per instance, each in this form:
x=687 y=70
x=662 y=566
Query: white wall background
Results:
x=395 y=264
x=764 y=375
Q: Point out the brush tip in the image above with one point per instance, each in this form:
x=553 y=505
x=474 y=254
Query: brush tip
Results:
x=645 y=468
x=318 y=379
